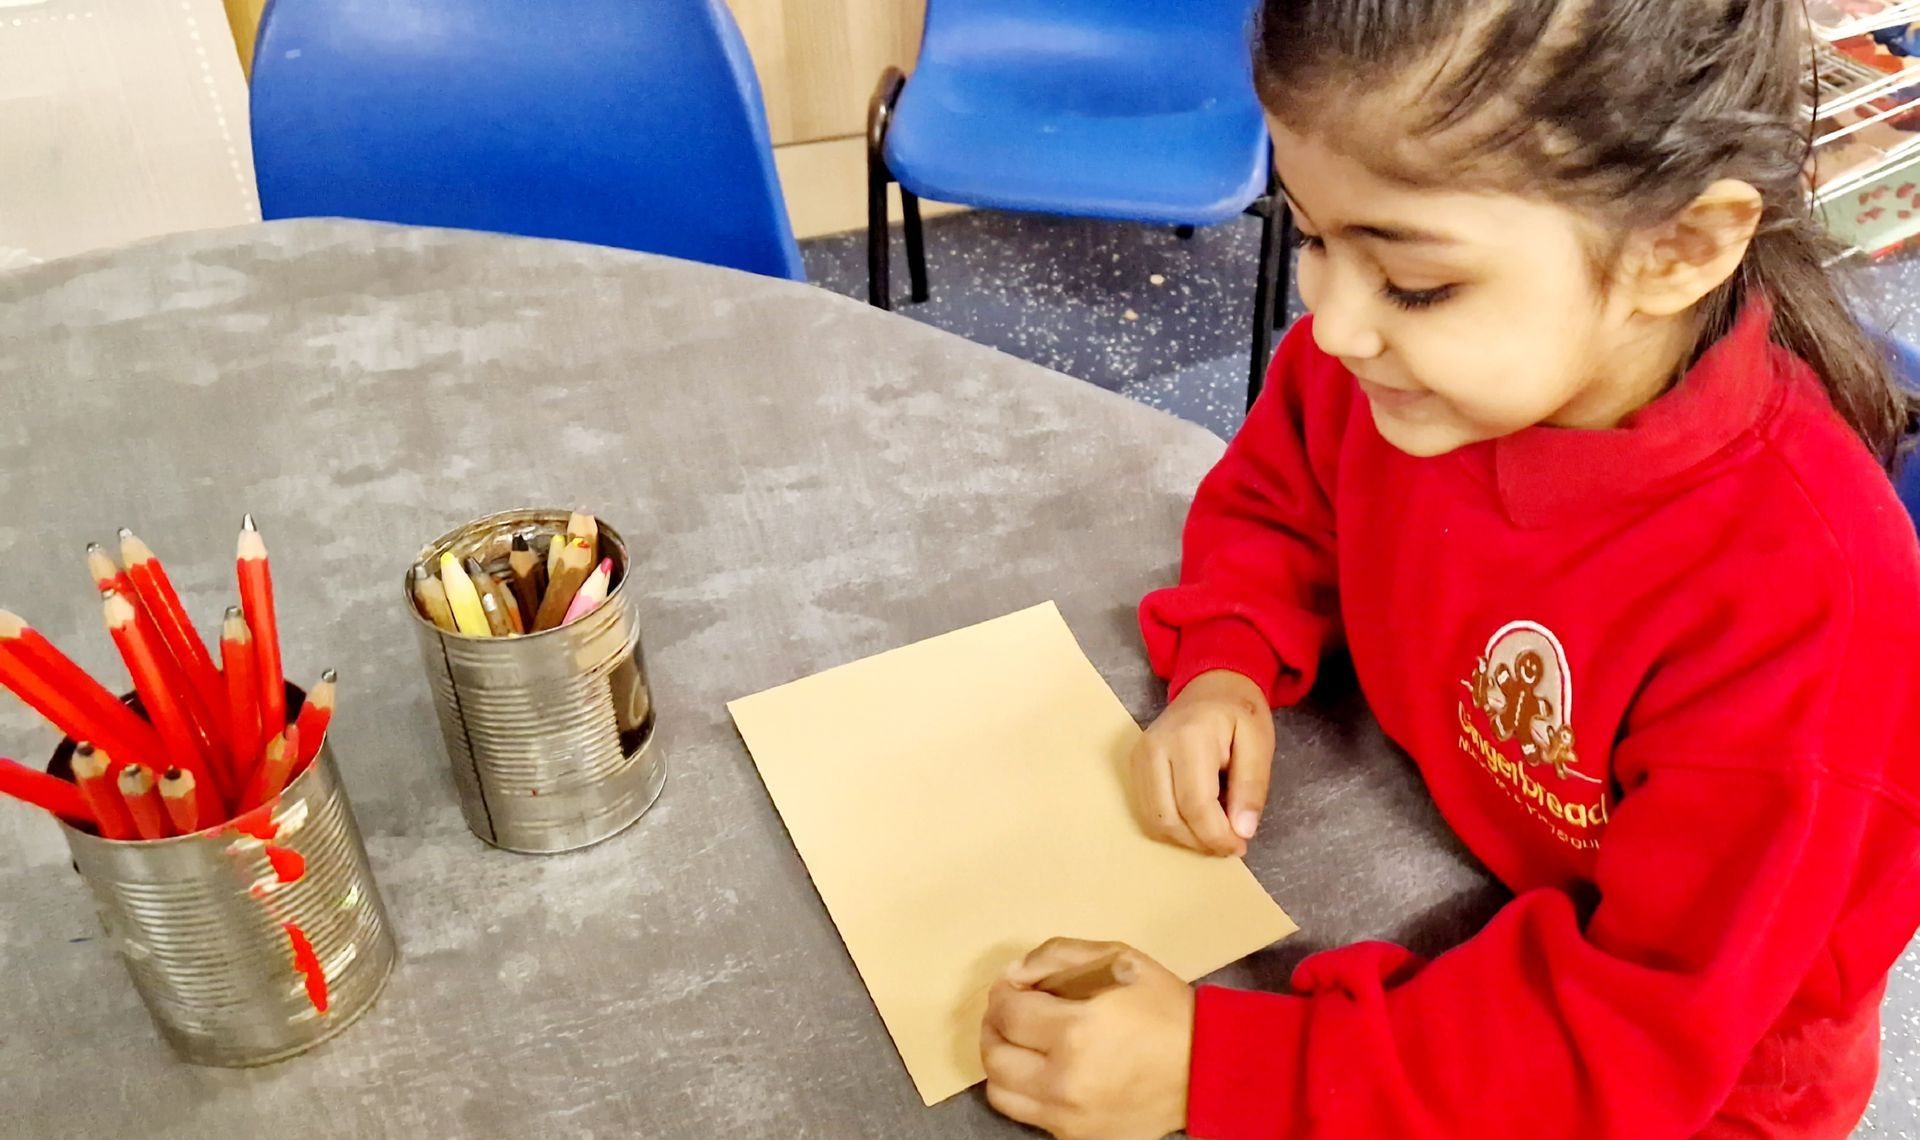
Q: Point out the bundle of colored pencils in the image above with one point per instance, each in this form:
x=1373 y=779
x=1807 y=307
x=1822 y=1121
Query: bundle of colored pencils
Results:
x=214 y=742
x=548 y=581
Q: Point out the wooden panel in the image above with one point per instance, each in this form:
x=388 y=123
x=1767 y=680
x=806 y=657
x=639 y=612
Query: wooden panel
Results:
x=826 y=187
x=119 y=120
x=819 y=59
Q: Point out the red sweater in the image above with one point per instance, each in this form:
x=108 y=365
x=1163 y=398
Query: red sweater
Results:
x=1660 y=679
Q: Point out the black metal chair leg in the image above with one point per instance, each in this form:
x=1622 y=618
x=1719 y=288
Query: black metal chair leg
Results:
x=1283 y=278
x=1184 y=233
x=879 y=240
x=879 y=245
x=916 y=244
x=1273 y=254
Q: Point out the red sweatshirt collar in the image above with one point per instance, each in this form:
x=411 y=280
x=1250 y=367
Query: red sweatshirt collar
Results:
x=1543 y=473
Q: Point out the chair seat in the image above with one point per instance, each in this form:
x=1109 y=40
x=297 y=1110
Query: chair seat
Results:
x=1101 y=138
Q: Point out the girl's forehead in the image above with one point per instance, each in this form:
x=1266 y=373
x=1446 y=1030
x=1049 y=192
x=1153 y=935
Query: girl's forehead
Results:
x=1336 y=185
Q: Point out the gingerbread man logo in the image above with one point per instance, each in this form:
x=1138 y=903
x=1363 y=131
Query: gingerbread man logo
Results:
x=1521 y=684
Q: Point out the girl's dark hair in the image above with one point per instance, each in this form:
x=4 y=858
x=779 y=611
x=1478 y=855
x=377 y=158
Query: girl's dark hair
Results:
x=1625 y=109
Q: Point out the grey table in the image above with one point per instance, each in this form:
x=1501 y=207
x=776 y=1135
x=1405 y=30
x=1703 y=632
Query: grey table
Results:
x=807 y=481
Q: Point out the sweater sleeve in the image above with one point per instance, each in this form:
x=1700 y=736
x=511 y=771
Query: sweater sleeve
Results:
x=1257 y=592
x=1757 y=858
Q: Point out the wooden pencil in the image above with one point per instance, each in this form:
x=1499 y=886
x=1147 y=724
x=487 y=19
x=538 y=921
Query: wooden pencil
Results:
x=431 y=597
x=464 y=598
x=180 y=798
x=489 y=584
x=529 y=575
x=497 y=624
x=244 y=741
x=315 y=716
x=92 y=773
x=162 y=601
x=48 y=793
x=274 y=770
x=585 y=527
x=592 y=592
x=563 y=584
x=163 y=706
x=109 y=576
x=1078 y=983
x=556 y=545
x=53 y=686
x=143 y=803
x=255 y=572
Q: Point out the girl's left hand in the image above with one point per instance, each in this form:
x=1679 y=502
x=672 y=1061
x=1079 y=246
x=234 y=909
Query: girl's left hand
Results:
x=1111 y=1067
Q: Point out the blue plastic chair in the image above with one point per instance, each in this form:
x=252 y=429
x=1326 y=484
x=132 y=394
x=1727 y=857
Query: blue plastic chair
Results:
x=632 y=123
x=1906 y=478
x=1113 y=109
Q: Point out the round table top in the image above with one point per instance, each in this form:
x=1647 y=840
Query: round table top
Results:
x=805 y=481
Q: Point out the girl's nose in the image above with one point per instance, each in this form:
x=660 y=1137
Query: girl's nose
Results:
x=1342 y=309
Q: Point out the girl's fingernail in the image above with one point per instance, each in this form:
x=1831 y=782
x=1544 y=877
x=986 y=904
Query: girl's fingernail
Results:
x=1245 y=823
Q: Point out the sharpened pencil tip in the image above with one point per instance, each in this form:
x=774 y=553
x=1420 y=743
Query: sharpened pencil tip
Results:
x=246 y=523
x=329 y=677
x=125 y=533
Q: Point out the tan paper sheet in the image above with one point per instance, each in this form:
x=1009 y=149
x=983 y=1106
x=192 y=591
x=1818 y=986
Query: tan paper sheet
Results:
x=961 y=800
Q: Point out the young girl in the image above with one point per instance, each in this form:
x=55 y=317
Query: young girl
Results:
x=1580 y=456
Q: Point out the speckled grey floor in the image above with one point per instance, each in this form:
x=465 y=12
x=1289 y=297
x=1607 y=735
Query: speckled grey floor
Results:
x=1136 y=310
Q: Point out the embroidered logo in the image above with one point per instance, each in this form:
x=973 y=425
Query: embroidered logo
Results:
x=1524 y=688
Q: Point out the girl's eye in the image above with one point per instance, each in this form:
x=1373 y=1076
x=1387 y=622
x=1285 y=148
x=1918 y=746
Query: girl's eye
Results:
x=1305 y=240
x=1411 y=299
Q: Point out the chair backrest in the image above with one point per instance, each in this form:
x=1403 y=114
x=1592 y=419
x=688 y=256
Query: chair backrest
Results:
x=1906 y=478
x=633 y=123
x=1230 y=18
x=1183 y=49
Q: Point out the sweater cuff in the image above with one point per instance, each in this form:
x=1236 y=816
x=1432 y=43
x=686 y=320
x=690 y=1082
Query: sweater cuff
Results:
x=1239 y=1084
x=1224 y=643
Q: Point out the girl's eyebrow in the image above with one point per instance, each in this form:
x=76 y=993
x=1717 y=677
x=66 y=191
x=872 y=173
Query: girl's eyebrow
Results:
x=1379 y=231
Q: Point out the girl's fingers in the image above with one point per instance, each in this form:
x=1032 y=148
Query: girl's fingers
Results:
x=1056 y=954
x=1017 y=1106
x=1196 y=788
x=1007 y=1064
x=1032 y=1020
x=1249 y=773
x=1153 y=791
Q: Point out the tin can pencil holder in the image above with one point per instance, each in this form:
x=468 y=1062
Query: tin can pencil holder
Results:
x=252 y=941
x=549 y=732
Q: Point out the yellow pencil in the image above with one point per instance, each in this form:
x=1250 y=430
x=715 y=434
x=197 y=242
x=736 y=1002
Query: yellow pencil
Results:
x=468 y=617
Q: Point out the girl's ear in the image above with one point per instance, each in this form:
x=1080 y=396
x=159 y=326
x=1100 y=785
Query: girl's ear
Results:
x=1668 y=269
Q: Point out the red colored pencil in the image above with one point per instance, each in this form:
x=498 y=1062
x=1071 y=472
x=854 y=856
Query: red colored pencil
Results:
x=275 y=769
x=50 y=793
x=256 y=598
x=243 y=700
x=93 y=771
x=314 y=718
x=156 y=592
x=61 y=691
x=162 y=704
x=181 y=799
x=143 y=803
x=109 y=577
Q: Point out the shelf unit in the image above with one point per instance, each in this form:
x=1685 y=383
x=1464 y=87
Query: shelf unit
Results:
x=1865 y=168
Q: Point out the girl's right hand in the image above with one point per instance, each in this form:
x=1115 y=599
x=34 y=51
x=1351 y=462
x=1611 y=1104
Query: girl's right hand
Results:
x=1219 y=723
